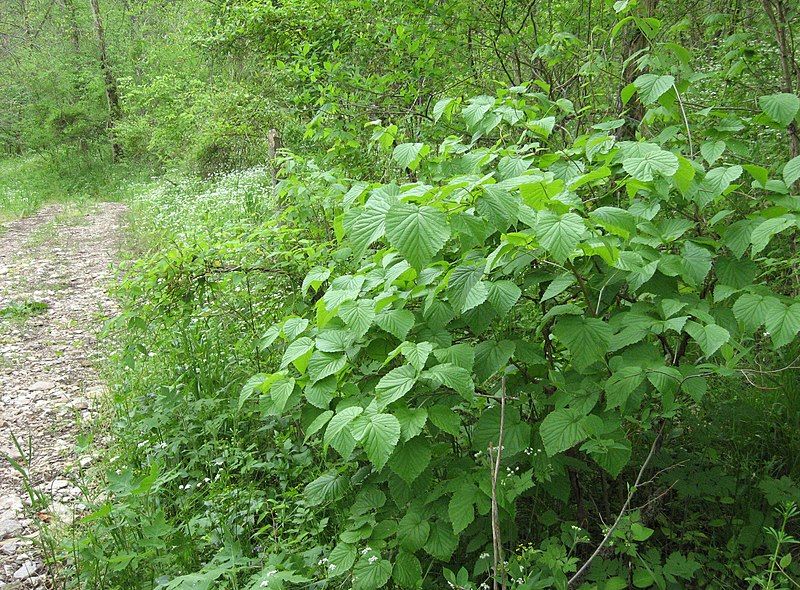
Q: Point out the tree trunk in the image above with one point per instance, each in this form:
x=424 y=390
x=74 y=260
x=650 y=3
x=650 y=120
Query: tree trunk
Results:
x=112 y=94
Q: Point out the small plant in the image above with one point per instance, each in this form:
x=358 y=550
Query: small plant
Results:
x=22 y=310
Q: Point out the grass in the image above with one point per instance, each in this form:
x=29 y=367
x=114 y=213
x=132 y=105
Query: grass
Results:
x=22 y=310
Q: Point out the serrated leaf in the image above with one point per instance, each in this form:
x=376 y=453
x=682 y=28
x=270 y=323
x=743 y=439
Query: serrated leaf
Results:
x=709 y=337
x=696 y=263
x=411 y=459
x=783 y=324
x=712 y=150
x=343 y=556
x=781 y=108
x=491 y=356
x=587 y=339
x=615 y=220
x=407 y=155
x=752 y=309
x=371 y=574
x=296 y=350
x=647 y=160
x=652 y=86
x=503 y=295
x=323 y=364
x=327 y=487
x=337 y=434
x=293 y=327
x=461 y=508
x=398 y=322
x=395 y=384
x=378 y=434
x=766 y=230
x=561 y=430
x=445 y=419
x=418 y=233
x=454 y=377
x=407 y=571
x=441 y=542
x=371 y=222
x=318 y=424
x=622 y=384
x=791 y=171
x=358 y=315
x=498 y=207
x=413 y=531
x=559 y=234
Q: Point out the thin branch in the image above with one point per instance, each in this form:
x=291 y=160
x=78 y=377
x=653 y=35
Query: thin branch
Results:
x=575 y=578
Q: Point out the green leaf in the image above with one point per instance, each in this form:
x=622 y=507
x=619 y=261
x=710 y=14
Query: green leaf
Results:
x=652 y=86
x=412 y=421
x=781 y=108
x=343 y=556
x=358 y=315
x=712 y=150
x=503 y=295
x=445 y=419
x=416 y=353
x=398 y=322
x=622 y=384
x=791 y=172
x=441 y=542
x=413 y=531
x=295 y=351
x=587 y=339
x=378 y=434
x=461 y=508
x=371 y=574
x=559 y=234
x=323 y=364
x=293 y=327
x=783 y=324
x=454 y=377
x=561 y=430
x=408 y=155
x=371 y=222
x=614 y=220
x=318 y=424
x=498 y=207
x=334 y=340
x=558 y=285
x=646 y=160
x=407 y=571
x=462 y=282
x=327 y=487
x=337 y=435
x=418 y=233
x=709 y=337
x=411 y=459
x=696 y=262
x=766 y=230
x=491 y=356
x=395 y=384
x=752 y=309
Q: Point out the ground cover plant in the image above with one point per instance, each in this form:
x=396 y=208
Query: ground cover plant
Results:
x=428 y=295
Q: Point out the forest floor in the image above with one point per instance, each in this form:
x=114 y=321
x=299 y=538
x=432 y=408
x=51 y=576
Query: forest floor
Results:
x=54 y=271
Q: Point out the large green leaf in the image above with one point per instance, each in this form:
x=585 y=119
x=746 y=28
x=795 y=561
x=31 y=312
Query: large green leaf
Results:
x=461 y=508
x=395 y=384
x=326 y=488
x=398 y=322
x=418 y=233
x=709 y=337
x=370 y=573
x=411 y=459
x=454 y=377
x=791 y=171
x=646 y=160
x=491 y=356
x=498 y=207
x=337 y=435
x=781 y=108
x=378 y=434
x=752 y=309
x=614 y=220
x=652 y=86
x=413 y=530
x=503 y=295
x=408 y=155
x=463 y=280
x=441 y=541
x=407 y=571
x=371 y=222
x=559 y=234
x=323 y=364
x=587 y=339
x=561 y=430
x=783 y=323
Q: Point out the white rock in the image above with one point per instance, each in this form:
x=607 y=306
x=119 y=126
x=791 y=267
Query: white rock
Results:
x=42 y=386
x=26 y=571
